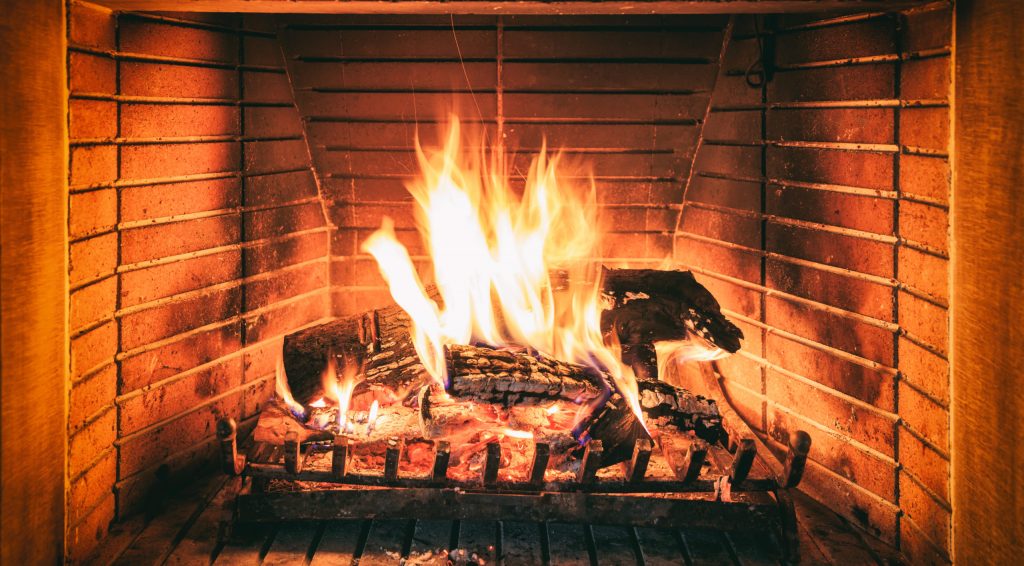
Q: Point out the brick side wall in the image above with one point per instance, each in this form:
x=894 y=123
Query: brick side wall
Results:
x=197 y=241
x=818 y=215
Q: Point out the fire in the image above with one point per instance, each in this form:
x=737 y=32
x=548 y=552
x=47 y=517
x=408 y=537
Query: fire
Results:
x=492 y=250
x=681 y=351
x=520 y=434
x=371 y=419
x=339 y=390
x=284 y=393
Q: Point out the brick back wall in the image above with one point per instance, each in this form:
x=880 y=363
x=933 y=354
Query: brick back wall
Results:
x=626 y=95
x=197 y=241
x=818 y=215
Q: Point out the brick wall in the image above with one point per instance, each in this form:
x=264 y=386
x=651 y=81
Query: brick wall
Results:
x=624 y=94
x=818 y=215
x=816 y=212
x=197 y=241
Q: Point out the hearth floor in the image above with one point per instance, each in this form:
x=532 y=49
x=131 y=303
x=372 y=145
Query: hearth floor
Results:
x=185 y=531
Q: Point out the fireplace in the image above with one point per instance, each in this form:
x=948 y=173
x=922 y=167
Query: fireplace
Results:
x=225 y=171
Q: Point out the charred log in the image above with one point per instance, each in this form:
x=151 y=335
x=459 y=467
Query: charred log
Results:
x=447 y=418
x=663 y=405
x=667 y=405
x=653 y=305
x=618 y=429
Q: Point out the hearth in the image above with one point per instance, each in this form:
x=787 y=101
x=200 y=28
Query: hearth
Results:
x=648 y=267
x=513 y=434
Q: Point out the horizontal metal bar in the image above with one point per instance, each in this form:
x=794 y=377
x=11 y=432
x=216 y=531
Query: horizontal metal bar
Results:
x=184 y=61
x=852 y=61
x=599 y=485
x=793 y=183
x=608 y=90
x=683 y=510
x=826 y=145
x=559 y=120
x=519 y=151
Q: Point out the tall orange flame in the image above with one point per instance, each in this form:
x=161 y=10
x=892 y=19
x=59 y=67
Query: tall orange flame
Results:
x=492 y=251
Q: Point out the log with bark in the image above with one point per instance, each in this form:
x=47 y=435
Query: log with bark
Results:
x=513 y=377
x=376 y=344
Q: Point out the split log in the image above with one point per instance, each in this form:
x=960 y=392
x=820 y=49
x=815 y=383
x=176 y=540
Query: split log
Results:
x=305 y=354
x=510 y=378
x=668 y=405
x=449 y=418
x=652 y=306
x=377 y=343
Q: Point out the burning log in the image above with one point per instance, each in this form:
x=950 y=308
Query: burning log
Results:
x=655 y=306
x=511 y=378
x=663 y=405
x=667 y=405
x=486 y=384
x=377 y=344
x=617 y=429
x=305 y=354
x=449 y=418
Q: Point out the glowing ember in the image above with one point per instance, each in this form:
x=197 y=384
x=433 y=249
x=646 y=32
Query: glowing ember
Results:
x=371 y=419
x=513 y=433
x=492 y=250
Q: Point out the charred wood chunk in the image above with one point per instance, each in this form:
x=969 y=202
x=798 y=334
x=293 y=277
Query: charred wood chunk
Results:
x=668 y=405
x=618 y=429
x=642 y=358
x=507 y=377
x=663 y=405
x=653 y=305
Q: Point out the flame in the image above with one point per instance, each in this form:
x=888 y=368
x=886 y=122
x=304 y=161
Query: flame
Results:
x=492 y=250
x=284 y=393
x=339 y=391
x=672 y=352
x=371 y=419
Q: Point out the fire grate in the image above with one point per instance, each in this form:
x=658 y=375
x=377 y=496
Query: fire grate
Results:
x=697 y=467
x=680 y=481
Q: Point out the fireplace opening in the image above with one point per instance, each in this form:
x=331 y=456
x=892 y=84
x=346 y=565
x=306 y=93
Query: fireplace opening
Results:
x=634 y=272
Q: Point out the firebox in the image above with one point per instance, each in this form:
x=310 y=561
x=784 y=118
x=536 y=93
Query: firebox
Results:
x=512 y=282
